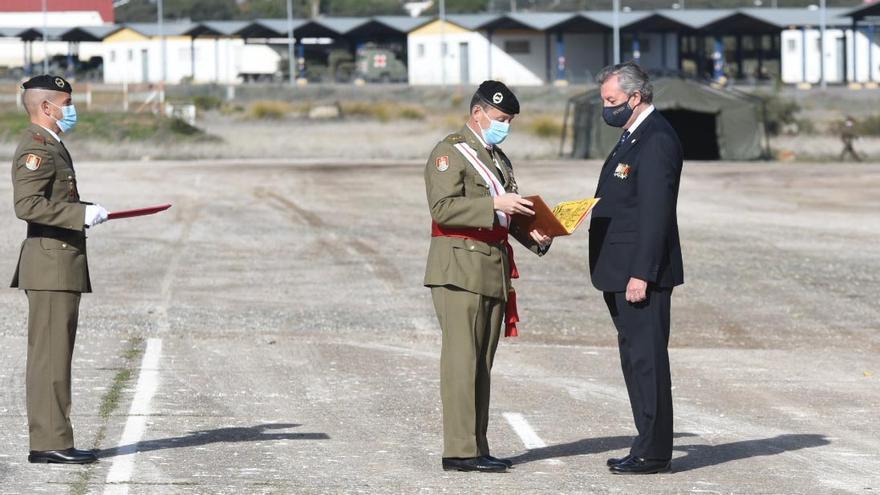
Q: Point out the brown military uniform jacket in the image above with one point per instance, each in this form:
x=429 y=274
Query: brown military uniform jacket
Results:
x=53 y=256
x=459 y=197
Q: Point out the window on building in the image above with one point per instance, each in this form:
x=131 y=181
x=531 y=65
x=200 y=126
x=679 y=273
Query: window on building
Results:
x=113 y=55
x=443 y=50
x=791 y=46
x=420 y=50
x=130 y=55
x=515 y=47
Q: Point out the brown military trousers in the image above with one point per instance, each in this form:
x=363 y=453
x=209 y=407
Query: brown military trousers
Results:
x=471 y=325
x=52 y=321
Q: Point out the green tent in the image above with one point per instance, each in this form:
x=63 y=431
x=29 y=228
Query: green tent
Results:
x=712 y=123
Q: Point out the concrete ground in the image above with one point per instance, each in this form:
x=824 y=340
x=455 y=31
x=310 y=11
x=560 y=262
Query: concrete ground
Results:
x=269 y=334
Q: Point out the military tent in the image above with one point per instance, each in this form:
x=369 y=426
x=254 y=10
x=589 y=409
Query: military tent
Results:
x=712 y=123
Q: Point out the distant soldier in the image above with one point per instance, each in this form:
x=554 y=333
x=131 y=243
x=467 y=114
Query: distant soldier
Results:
x=472 y=195
x=848 y=135
x=52 y=268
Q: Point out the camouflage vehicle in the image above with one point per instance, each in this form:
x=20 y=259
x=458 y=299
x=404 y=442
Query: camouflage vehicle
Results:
x=380 y=65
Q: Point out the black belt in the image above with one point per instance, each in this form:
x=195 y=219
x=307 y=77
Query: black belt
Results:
x=64 y=235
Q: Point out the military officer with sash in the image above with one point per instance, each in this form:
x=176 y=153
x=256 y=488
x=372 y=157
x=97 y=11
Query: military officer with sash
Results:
x=472 y=195
x=52 y=267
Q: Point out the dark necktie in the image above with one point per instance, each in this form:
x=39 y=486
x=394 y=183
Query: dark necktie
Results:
x=623 y=138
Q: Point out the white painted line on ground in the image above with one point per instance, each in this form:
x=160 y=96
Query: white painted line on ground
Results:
x=524 y=430
x=148 y=382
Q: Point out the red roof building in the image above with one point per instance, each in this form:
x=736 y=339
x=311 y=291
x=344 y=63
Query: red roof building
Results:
x=103 y=7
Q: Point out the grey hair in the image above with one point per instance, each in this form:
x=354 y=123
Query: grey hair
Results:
x=632 y=79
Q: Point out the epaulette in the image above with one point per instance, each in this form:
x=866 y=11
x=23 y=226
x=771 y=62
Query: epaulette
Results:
x=38 y=138
x=454 y=138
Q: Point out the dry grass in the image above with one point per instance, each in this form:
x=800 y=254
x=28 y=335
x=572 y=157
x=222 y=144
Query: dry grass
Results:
x=382 y=111
x=545 y=126
x=269 y=109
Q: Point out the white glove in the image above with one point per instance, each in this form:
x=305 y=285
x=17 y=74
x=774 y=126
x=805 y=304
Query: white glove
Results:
x=95 y=214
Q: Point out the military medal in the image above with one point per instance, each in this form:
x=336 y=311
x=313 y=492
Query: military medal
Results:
x=622 y=171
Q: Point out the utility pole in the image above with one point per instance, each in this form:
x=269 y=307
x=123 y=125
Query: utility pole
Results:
x=822 y=13
x=290 y=64
x=161 y=28
x=616 y=22
x=513 y=6
x=443 y=42
x=45 y=35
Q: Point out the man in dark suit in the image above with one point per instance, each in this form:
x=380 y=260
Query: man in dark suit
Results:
x=635 y=256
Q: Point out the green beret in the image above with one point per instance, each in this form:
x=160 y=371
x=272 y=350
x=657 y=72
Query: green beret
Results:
x=498 y=95
x=50 y=82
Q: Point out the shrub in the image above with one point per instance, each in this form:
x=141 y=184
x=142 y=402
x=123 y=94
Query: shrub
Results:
x=546 y=126
x=207 y=102
x=868 y=126
x=780 y=112
x=382 y=111
x=269 y=109
x=410 y=112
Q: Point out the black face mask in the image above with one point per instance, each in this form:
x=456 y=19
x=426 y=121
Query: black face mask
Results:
x=617 y=116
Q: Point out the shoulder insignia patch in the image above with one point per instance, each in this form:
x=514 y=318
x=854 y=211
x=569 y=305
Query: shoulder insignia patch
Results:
x=455 y=138
x=442 y=163
x=33 y=162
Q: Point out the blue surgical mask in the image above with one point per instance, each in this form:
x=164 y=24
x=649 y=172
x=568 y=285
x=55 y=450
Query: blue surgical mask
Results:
x=496 y=133
x=68 y=117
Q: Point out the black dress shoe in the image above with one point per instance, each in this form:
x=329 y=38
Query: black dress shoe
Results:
x=480 y=464
x=506 y=462
x=638 y=465
x=67 y=456
x=614 y=460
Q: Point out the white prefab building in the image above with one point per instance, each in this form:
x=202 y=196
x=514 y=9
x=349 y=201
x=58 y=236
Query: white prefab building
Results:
x=134 y=54
x=468 y=57
x=843 y=60
x=12 y=48
x=530 y=49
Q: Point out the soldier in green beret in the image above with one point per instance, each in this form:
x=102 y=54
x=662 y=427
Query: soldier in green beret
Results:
x=52 y=267
x=472 y=195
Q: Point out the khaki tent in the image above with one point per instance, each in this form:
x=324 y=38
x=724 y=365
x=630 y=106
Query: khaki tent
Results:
x=712 y=123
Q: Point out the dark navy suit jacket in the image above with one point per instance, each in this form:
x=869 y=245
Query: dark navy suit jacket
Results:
x=634 y=230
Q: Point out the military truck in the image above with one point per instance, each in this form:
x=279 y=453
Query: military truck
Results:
x=380 y=65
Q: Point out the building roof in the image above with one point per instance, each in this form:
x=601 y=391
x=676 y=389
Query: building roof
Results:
x=863 y=11
x=722 y=21
x=88 y=33
x=32 y=34
x=103 y=7
x=216 y=28
x=151 y=29
x=268 y=28
x=785 y=17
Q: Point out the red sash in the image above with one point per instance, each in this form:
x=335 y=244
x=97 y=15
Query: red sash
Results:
x=496 y=235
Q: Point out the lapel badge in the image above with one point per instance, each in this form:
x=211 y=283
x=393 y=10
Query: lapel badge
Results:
x=442 y=163
x=622 y=171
